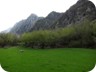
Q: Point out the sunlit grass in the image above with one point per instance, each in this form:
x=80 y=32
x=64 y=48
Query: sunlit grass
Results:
x=47 y=60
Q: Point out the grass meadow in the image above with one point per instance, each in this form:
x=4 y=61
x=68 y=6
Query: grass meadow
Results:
x=47 y=60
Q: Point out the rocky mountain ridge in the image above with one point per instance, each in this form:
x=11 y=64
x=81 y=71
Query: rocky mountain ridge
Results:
x=76 y=14
x=25 y=25
x=82 y=10
x=46 y=23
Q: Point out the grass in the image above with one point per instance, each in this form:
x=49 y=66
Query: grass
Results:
x=47 y=60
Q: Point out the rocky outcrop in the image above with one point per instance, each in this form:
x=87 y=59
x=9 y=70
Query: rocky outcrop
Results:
x=76 y=14
x=82 y=10
x=47 y=22
x=25 y=25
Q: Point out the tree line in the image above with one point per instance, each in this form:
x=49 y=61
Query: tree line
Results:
x=78 y=35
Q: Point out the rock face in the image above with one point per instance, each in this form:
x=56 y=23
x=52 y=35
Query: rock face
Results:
x=47 y=22
x=79 y=12
x=82 y=10
x=25 y=25
x=17 y=29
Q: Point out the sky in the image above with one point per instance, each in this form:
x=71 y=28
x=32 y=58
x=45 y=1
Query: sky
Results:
x=12 y=11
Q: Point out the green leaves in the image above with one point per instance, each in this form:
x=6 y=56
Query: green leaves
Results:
x=77 y=35
x=7 y=39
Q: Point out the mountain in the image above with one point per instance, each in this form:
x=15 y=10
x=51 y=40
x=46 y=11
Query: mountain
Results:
x=76 y=14
x=25 y=25
x=6 y=31
x=82 y=10
x=79 y=12
x=47 y=22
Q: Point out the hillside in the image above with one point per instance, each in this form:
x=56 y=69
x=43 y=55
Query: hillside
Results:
x=25 y=25
x=74 y=28
x=76 y=14
x=46 y=23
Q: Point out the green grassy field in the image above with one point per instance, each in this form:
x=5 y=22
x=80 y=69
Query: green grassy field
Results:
x=47 y=60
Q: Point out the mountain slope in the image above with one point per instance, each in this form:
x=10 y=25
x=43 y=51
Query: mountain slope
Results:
x=25 y=25
x=82 y=10
x=76 y=14
x=47 y=22
x=6 y=31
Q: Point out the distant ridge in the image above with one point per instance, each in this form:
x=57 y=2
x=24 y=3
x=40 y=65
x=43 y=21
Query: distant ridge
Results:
x=76 y=14
x=25 y=25
x=82 y=10
x=46 y=23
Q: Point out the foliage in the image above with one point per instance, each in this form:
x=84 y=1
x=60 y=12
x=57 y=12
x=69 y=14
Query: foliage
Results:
x=7 y=39
x=77 y=35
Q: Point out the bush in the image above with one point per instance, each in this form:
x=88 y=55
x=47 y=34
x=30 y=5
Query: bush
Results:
x=77 y=35
x=7 y=39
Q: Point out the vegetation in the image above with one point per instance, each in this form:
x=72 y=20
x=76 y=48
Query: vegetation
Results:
x=69 y=54
x=47 y=60
x=8 y=39
x=78 y=35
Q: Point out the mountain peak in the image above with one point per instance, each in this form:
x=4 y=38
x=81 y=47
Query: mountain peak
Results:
x=25 y=25
x=76 y=14
x=32 y=16
x=82 y=0
x=53 y=15
x=82 y=10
